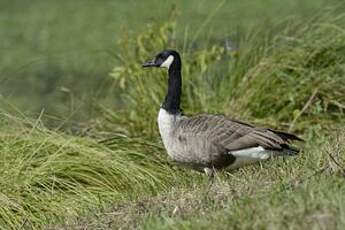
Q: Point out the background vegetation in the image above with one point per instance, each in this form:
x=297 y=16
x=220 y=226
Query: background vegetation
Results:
x=78 y=136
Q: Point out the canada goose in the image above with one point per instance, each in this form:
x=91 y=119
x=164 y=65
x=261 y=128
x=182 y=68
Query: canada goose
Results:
x=207 y=142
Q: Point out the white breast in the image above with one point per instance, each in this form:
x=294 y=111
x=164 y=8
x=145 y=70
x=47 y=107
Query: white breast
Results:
x=166 y=124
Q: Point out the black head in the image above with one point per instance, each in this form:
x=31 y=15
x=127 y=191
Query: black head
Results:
x=164 y=59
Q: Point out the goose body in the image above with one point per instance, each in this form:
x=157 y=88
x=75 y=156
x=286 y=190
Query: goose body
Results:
x=206 y=142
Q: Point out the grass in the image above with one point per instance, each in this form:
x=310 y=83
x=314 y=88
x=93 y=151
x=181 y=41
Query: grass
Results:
x=50 y=171
x=300 y=193
x=112 y=171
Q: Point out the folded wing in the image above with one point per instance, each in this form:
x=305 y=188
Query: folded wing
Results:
x=214 y=132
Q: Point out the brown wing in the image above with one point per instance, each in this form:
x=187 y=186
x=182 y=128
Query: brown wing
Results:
x=232 y=134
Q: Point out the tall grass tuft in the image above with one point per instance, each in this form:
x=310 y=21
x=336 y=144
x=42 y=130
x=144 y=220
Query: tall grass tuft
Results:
x=289 y=73
x=47 y=176
x=300 y=80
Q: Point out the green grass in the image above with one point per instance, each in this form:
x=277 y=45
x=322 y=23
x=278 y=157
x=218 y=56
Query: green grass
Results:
x=292 y=193
x=48 y=176
x=285 y=72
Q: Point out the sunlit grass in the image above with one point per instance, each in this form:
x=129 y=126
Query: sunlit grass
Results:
x=46 y=175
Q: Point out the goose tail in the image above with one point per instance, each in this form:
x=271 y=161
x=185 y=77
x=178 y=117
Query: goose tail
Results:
x=289 y=150
x=287 y=136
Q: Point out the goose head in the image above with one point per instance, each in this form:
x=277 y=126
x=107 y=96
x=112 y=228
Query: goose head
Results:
x=165 y=59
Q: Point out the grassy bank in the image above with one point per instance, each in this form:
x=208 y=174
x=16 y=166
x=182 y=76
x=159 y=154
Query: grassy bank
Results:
x=113 y=171
x=48 y=176
x=300 y=193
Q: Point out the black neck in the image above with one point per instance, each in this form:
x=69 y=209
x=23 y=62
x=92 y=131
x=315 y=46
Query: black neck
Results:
x=172 y=99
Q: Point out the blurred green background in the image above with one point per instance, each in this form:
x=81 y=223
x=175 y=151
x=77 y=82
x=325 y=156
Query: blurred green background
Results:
x=56 y=55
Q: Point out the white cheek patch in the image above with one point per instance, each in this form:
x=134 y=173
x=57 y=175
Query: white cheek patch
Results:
x=167 y=62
